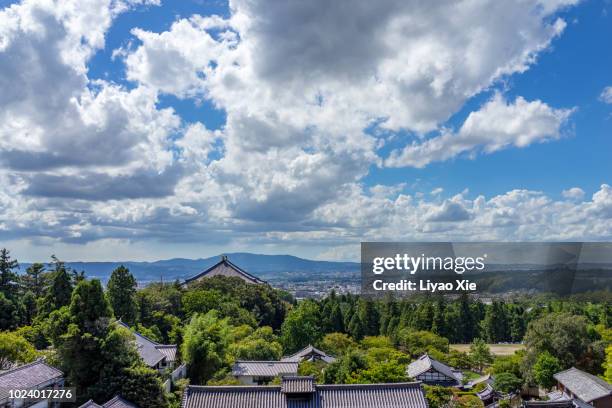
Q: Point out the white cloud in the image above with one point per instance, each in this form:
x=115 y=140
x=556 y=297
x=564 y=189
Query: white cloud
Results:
x=606 y=95
x=574 y=193
x=497 y=125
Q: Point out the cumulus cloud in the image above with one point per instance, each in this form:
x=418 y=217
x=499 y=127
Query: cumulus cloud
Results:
x=497 y=125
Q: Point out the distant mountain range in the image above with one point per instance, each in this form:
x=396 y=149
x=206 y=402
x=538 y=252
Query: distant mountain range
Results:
x=264 y=266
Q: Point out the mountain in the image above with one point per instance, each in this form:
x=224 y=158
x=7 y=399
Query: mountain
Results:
x=264 y=266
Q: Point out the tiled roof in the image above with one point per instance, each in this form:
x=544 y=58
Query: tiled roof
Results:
x=168 y=350
x=297 y=384
x=548 y=404
x=583 y=385
x=119 y=402
x=90 y=404
x=264 y=368
x=226 y=268
x=306 y=352
x=116 y=402
x=425 y=363
x=26 y=376
x=404 y=395
x=150 y=351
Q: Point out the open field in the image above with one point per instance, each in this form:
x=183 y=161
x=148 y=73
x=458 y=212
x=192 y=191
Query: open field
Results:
x=497 y=349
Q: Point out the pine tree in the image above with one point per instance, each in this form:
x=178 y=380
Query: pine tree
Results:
x=8 y=277
x=355 y=327
x=59 y=291
x=438 y=324
x=122 y=294
x=34 y=281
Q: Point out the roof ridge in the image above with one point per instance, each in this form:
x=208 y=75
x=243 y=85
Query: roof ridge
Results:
x=234 y=387
x=411 y=384
x=266 y=361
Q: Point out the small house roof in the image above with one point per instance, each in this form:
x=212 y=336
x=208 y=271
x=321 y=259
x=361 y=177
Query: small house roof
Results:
x=425 y=363
x=118 y=402
x=264 y=368
x=308 y=351
x=297 y=385
x=583 y=385
x=27 y=376
x=150 y=351
x=90 y=404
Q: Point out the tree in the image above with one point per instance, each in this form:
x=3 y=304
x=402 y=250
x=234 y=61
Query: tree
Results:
x=204 y=345
x=608 y=365
x=345 y=369
x=369 y=317
x=545 y=367
x=337 y=343
x=82 y=349
x=122 y=294
x=34 y=279
x=507 y=382
x=563 y=335
x=59 y=291
x=301 y=327
x=8 y=313
x=261 y=345
x=14 y=349
x=140 y=385
x=8 y=277
x=438 y=396
x=416 y=343
x=495 y=325
x=480 y=354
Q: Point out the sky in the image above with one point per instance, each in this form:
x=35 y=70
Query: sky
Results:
x=153 y=129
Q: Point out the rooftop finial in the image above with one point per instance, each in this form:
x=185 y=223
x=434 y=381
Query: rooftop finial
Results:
x=224 y=257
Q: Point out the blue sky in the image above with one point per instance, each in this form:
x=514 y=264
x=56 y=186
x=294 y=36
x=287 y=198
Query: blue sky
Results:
x=146 y=129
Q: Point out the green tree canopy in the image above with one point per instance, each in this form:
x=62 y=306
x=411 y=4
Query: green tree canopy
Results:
x=480 y=354
x=122 y=294
x=301 y=327
x=544 y=368
x=337 y=343
x=205 y=342
x=14 y=349
x=507 y=382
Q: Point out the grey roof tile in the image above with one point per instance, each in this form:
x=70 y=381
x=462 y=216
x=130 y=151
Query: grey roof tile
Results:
x=297 y=384
x=26 y=376
x=150 y=351
x=264 y=368
x=90 y=404
x=585 y=386
x=405 y=395
x=119 y=402
x=425 y=363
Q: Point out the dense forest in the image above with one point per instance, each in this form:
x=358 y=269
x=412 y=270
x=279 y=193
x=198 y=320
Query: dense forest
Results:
x=57 y=313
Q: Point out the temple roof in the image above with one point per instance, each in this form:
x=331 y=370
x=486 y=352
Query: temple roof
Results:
x=226 y=268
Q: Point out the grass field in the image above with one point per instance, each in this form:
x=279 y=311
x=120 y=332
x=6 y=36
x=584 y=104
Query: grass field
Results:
x=496 y=349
